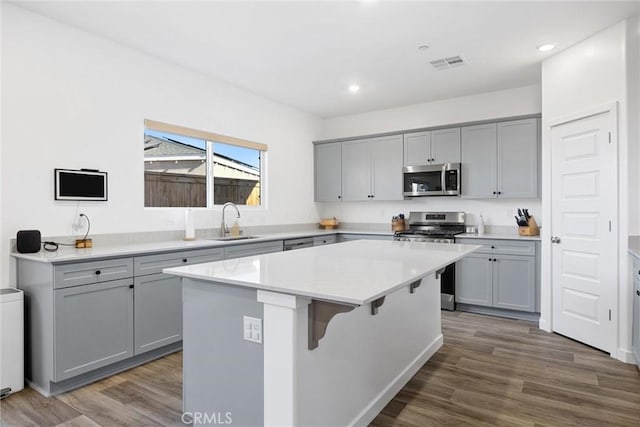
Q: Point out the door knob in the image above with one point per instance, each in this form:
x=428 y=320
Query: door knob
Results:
x=555 y=239
x=638 y=293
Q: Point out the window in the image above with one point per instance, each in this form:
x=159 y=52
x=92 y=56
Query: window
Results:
x=188 y=168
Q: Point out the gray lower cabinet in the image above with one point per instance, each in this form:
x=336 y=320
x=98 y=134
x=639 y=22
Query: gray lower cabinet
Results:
x=157 y=311
x=327 y=162
x=346 y=237
x=325 y=240
x=514 y=282
x=252 y=249
x=474 y=280
x=93 y=327
x=635 y=327
x=502 y=274
x=158 y=297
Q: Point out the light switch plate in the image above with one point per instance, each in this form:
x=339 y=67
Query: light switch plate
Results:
x=252 y=330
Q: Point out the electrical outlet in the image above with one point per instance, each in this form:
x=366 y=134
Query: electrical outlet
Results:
x=252 y=330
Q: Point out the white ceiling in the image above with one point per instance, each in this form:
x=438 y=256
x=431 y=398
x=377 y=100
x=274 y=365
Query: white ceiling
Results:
x=305 y=54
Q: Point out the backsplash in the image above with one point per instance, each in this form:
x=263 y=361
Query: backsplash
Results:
x=495 y=212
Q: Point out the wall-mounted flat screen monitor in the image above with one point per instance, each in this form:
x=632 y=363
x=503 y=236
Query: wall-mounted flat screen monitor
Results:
x=83 y=184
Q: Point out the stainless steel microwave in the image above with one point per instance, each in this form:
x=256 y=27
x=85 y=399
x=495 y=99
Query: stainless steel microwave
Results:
x=431 y=180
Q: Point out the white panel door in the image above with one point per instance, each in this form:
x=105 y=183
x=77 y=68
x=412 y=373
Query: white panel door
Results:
x=584 y=206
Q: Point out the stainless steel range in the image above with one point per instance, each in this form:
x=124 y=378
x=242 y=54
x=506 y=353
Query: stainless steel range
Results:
x=438 y=227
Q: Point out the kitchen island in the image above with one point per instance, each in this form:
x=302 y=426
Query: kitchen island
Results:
x=344 y=328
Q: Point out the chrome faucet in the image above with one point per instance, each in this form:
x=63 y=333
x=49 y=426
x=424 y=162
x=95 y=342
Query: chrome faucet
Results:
x=224 y=230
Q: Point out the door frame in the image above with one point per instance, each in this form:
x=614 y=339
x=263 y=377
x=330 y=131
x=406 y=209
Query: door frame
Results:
x=619 y=223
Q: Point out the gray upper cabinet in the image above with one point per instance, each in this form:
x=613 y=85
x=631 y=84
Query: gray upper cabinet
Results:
x=93 y=327
x=479 y=175
x=372 y=169
x=356 y=170
x=417 y=148
x=518 y=158
x=501 y=160
x=445 y=146
x=386 y=153
x=432 y=147
x=328 y=172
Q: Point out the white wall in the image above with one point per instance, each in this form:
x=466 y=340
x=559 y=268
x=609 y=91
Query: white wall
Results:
x=74 y=100
x=588 y=75
x=485 y=106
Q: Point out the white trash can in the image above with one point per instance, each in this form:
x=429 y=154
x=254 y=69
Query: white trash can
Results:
x=11 y=341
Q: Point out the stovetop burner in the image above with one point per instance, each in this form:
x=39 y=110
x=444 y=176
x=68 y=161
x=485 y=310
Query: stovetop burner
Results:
x=433 y=225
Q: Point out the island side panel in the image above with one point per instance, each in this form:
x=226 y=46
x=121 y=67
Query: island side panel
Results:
x=364 y=360
x=223 y=373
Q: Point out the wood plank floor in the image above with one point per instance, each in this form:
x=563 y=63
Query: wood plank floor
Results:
x=490 y=371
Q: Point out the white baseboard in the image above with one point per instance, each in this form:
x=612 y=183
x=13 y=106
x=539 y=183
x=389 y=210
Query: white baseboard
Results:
x=367 y=415
x=625 y=356
x=544 y=325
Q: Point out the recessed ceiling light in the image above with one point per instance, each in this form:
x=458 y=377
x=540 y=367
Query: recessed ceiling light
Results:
x=423 y=47
x=354 y=88
x=546 y=47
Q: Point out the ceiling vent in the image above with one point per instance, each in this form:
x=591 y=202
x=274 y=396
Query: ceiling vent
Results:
x=449 y=62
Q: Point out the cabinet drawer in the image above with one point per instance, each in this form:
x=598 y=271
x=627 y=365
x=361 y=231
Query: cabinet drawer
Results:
x=325 y=240
x=85 y=273
x=152 y=264
x=502 y=246
x=253 y=249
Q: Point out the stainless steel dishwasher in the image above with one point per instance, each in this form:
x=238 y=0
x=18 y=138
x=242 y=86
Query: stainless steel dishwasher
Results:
x=305 y=242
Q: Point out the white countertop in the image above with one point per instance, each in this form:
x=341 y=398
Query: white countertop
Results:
x=355 y=272
x=71 y=254
x=500 y=236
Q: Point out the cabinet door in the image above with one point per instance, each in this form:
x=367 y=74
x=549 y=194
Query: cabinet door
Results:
x=417 y=148
x=635 y=327
x=518 y=149
x=325 y=240
x=474 y=278
x=479 y=176
x=514 y=282
x=356 y=170
x=157 y=311
x=386 y=154
x=252 y=249
x=328 y=172
x=445 y=146
x=93 y=327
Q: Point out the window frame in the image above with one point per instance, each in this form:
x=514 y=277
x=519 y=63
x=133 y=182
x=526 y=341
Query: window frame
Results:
x=210 y=139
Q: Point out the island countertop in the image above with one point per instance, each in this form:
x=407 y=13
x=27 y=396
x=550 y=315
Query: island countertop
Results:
x=354 y=273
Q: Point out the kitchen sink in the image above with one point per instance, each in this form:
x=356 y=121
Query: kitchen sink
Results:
x=232 y=238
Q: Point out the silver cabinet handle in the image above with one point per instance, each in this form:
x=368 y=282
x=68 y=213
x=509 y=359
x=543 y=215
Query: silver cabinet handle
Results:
x=555 y=239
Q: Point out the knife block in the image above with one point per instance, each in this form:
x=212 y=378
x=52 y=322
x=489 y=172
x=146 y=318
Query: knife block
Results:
x=529 y=230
